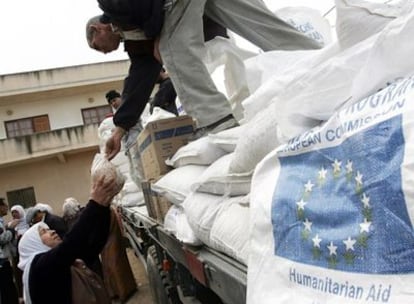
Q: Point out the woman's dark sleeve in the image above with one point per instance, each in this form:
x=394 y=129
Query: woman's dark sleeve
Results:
x=84 y=241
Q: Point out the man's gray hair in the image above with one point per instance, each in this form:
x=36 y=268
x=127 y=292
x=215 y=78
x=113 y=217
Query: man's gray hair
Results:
x=89 y=30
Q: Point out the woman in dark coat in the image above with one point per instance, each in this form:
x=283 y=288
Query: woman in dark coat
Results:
x=46 y=260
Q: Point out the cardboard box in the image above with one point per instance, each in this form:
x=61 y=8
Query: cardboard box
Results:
x=160 y=140
x=157 y=206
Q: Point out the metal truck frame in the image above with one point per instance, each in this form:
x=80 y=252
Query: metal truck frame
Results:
x=179 y=273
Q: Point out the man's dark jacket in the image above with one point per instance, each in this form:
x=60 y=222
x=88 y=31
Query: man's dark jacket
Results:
x=147 y=15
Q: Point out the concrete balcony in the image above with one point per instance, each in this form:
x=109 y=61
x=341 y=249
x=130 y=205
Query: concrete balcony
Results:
x=50 y=144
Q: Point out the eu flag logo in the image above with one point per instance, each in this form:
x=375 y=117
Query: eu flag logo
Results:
x=343 y=207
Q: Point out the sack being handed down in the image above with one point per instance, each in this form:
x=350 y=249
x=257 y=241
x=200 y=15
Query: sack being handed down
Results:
x=101 y=166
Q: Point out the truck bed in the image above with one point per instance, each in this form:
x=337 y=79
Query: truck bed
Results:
x=222 y=274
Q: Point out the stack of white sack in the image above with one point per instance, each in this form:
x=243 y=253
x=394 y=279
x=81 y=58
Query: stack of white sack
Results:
x=309 y=21
x=204 y=166
x=301 y=96
x=220 y=222
x=200 y=188
x=131 y=194
x=189 y=162
x=224 y=55
x=214 y=201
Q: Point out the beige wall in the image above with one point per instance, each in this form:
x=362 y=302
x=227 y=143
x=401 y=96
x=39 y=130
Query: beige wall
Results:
x=52 y=180
x=56 y=163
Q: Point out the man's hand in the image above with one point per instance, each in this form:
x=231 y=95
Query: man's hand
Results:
x=113 y=144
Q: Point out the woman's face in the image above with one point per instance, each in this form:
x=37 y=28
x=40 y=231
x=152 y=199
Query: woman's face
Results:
x=49 y=237
x=38 y=216
x=15 y=214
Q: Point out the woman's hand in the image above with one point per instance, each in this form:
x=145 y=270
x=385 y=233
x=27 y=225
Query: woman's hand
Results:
x=103 y=190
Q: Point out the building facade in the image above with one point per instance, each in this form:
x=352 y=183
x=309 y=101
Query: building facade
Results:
x=49 y=130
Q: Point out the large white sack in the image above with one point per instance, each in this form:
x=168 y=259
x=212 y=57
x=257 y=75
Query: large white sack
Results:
x=357 y=20
x=230 y=230
x=349 y=76
x=105 y=132
x=390 y=58
x=262 y=67
x=135 y=164
x=274 y=76
x=197 y=152
x=132 y=199
x=170 y=219
x=316 y=87
x=201 y=210
x=224 y=53
x=308 y=21
x=298 y=103
x=227 y=139
x=131 y=193
x=261 y=136
x=332 y=211
x=175 y=222
x=121 y=162
x=157 y=114
x=217 y=179
x=105 y=128
x=175 y=185
x=130 y=187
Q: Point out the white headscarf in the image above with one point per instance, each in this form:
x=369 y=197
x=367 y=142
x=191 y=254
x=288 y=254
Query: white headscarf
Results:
x=22 y=226
x=71 y=207
x=30 y=245
x=44 y=207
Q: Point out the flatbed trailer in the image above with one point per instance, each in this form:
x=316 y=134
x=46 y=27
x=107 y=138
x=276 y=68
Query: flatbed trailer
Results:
x=179 y=273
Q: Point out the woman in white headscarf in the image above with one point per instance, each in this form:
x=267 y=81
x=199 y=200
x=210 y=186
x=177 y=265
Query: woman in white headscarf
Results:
x=46 y=259
x=71 y=209
x=19 y=215
x=20 y=226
